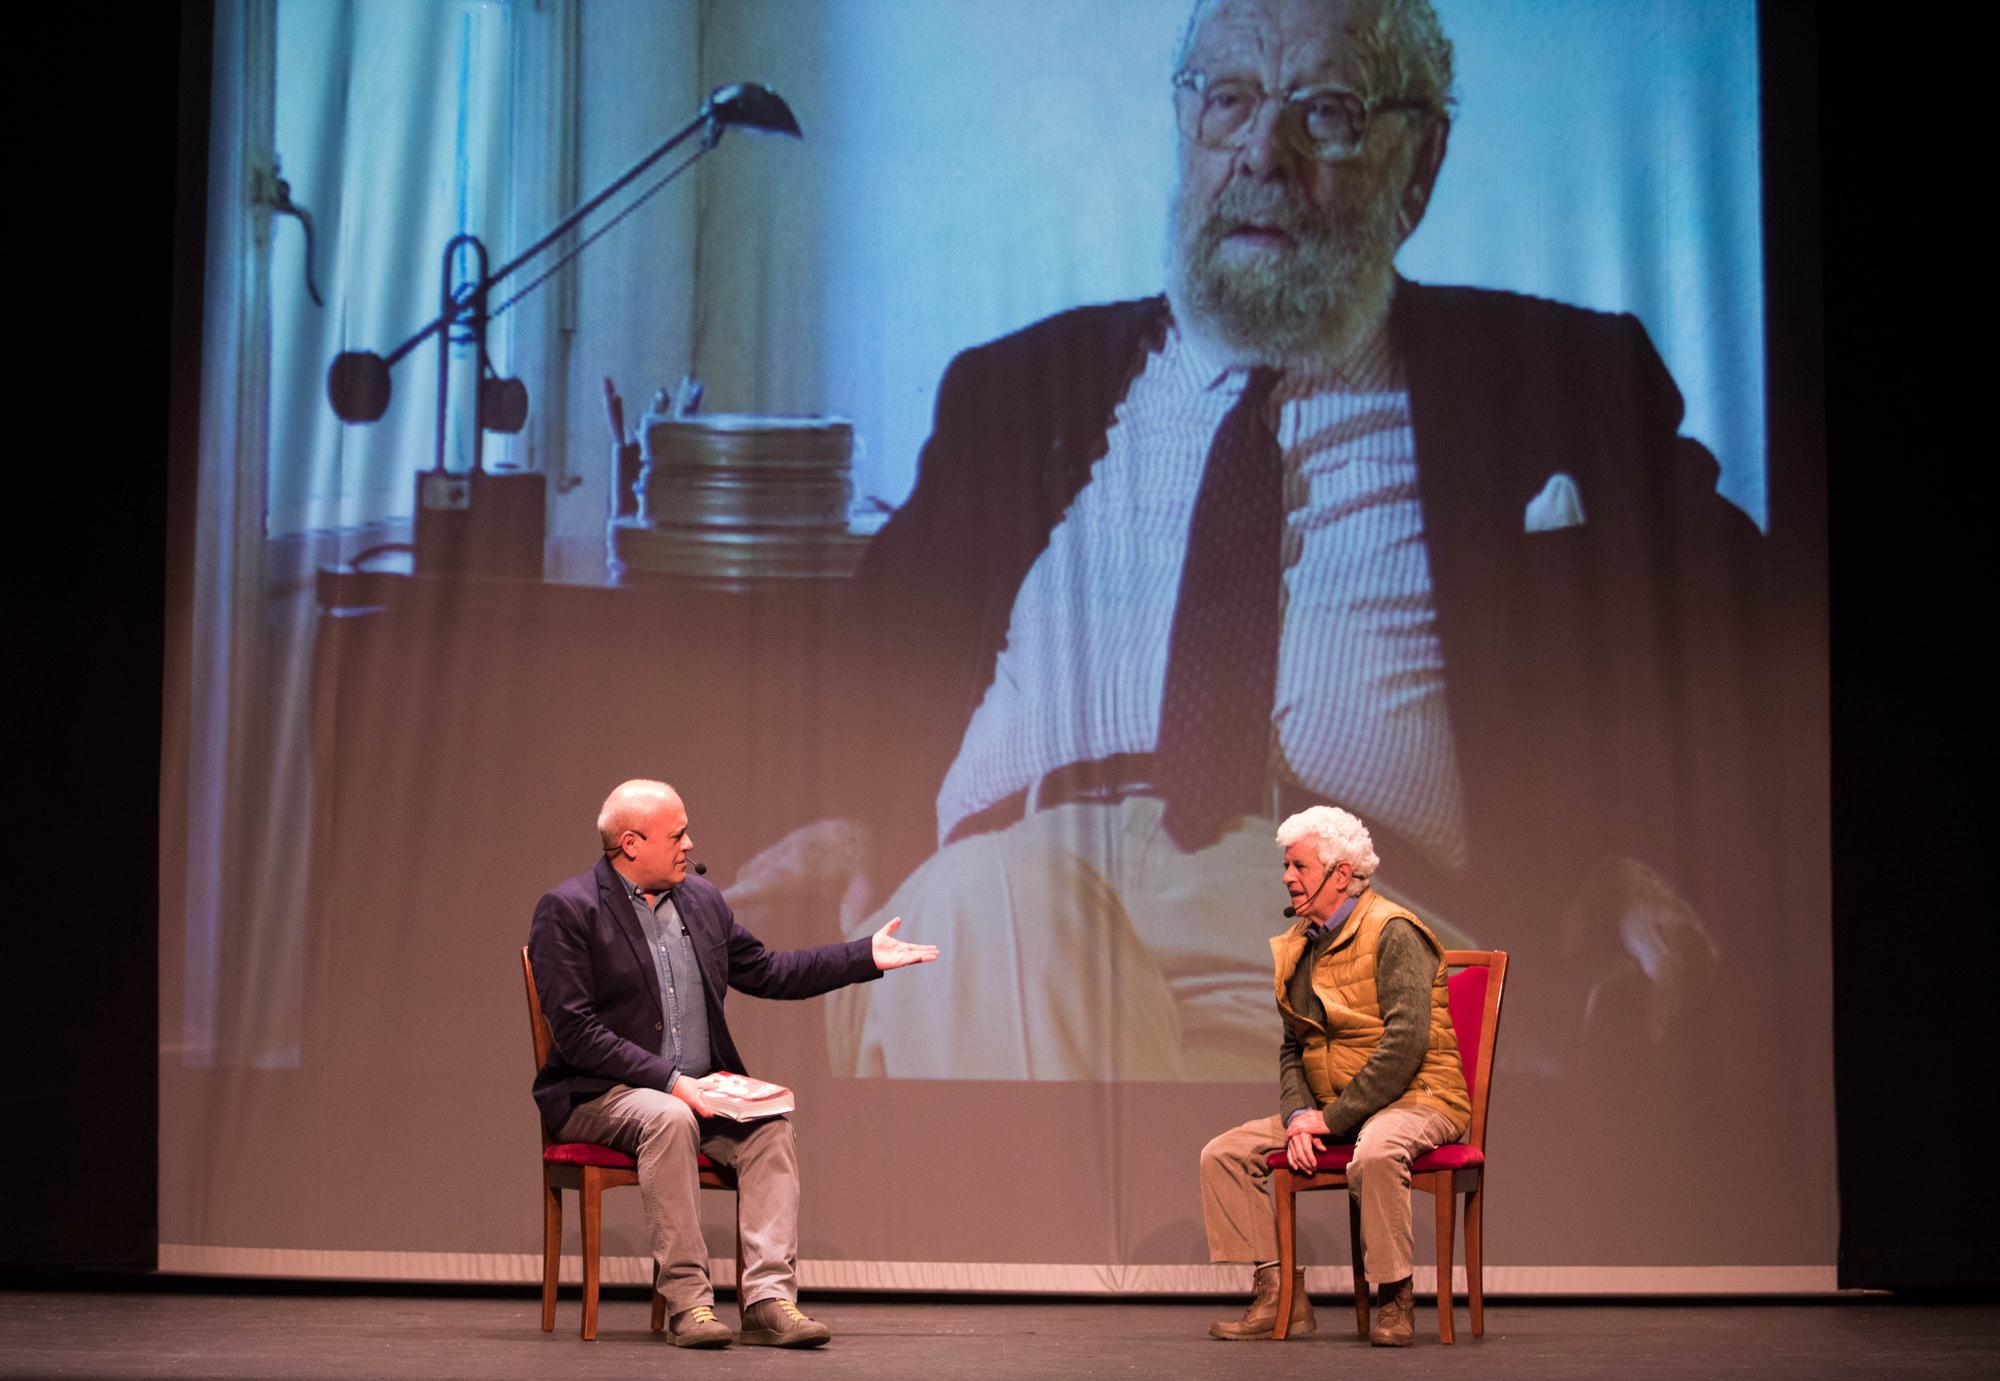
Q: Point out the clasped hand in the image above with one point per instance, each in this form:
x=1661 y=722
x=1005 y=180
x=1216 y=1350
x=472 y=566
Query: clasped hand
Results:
x=1299 y=1152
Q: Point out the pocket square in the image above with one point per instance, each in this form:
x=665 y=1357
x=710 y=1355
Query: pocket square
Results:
x=1559 y=505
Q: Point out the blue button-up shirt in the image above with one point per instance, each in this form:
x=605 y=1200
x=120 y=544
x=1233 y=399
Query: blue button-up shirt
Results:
x=684 y=1039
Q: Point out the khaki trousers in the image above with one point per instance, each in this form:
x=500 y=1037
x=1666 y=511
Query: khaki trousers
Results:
x=1236 y=1198
x=662 y=1133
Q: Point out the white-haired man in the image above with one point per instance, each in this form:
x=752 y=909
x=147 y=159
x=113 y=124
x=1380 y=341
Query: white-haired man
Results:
x=632 y=961
x=1368 y=1054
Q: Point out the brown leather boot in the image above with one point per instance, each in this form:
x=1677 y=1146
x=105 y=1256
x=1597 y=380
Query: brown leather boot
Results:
x=1395 y=1316
x=1261 y=1317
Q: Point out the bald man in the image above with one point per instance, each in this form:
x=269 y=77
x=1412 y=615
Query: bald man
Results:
x=632 y=962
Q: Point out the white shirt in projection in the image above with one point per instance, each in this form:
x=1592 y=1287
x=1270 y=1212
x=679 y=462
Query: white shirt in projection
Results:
x=1359 y=717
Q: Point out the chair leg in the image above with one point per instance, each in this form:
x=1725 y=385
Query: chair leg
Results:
x=551 y=1251
x=1475 y=1285
x=1284 y=1212
x=1360 y=1271
x=659 y=1302
x=1447 y=1204
x=592 y=1196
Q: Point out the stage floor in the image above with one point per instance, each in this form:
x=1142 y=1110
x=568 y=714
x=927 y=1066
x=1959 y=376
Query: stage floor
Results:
x=155 y=1332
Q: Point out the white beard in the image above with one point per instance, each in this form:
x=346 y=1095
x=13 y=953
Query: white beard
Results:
x=1308 y=306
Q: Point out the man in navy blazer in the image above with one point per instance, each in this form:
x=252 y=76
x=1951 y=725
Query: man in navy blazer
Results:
x=632 y=962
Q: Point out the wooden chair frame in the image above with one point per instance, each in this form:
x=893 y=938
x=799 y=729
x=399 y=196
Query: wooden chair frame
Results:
x=590 y=1182
x=1443 y=1185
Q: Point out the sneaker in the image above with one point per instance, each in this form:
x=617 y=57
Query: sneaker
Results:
x=698 y=1327
x=778 y=1323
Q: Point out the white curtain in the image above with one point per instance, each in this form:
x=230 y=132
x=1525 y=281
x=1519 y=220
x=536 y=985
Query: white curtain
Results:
x=391 y=124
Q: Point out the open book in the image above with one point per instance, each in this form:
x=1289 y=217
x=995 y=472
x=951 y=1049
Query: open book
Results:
x=743 y=1099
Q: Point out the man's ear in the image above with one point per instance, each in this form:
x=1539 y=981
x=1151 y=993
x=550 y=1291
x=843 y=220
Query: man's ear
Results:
x=1416 y=195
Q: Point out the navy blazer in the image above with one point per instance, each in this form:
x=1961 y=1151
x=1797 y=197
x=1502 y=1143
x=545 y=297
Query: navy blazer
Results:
x=601 y=992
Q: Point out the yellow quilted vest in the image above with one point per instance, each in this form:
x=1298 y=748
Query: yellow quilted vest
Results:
x=1344 y=982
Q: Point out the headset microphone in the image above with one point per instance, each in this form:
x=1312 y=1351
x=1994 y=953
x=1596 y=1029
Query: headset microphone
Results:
x=1292 y=911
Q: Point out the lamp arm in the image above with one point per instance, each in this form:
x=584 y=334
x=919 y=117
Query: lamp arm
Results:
x=358 y=381
x=702 y=121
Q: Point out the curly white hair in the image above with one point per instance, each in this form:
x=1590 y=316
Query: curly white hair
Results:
x=1337 y=838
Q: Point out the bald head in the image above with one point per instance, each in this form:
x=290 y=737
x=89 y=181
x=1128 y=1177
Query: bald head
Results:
x=629 y=805
x=643 y=828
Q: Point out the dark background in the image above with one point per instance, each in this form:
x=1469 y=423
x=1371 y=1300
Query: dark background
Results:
x=1861 y=413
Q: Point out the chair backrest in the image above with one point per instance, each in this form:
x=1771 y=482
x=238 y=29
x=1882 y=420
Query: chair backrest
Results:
x=1473 y=994
x=538 y=1025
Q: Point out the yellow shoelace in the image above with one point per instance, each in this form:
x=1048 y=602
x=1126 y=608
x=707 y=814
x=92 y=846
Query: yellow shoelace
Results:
x=703 y=1314
x=793 y=1310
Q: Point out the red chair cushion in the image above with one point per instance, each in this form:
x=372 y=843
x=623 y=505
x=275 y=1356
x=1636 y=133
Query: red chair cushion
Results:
x=587 y=1153
x=1454 y=1157
x=1330 y=1157
x=590 y=1153
x=1457 y=1156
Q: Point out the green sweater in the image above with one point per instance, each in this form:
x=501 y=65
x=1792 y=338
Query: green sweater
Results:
x=1404 y=967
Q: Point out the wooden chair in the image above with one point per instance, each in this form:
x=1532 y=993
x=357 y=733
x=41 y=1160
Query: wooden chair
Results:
x=589 y=1169
x=1474 y=999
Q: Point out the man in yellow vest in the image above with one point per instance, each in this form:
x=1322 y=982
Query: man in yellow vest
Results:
x=1368 y=1054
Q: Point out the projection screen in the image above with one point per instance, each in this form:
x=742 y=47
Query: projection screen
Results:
x=1558 y=693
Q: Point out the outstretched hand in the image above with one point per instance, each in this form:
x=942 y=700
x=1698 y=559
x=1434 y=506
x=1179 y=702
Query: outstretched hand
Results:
x=891 y=953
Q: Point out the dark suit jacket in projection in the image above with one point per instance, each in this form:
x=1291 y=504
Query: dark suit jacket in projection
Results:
x=601 y=991
x=1595 y=674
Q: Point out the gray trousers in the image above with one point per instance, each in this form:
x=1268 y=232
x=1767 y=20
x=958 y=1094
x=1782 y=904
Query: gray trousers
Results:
x=662 y=1133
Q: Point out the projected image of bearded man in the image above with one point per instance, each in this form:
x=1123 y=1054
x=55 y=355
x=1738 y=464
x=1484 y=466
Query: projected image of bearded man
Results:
x=1297 y=530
